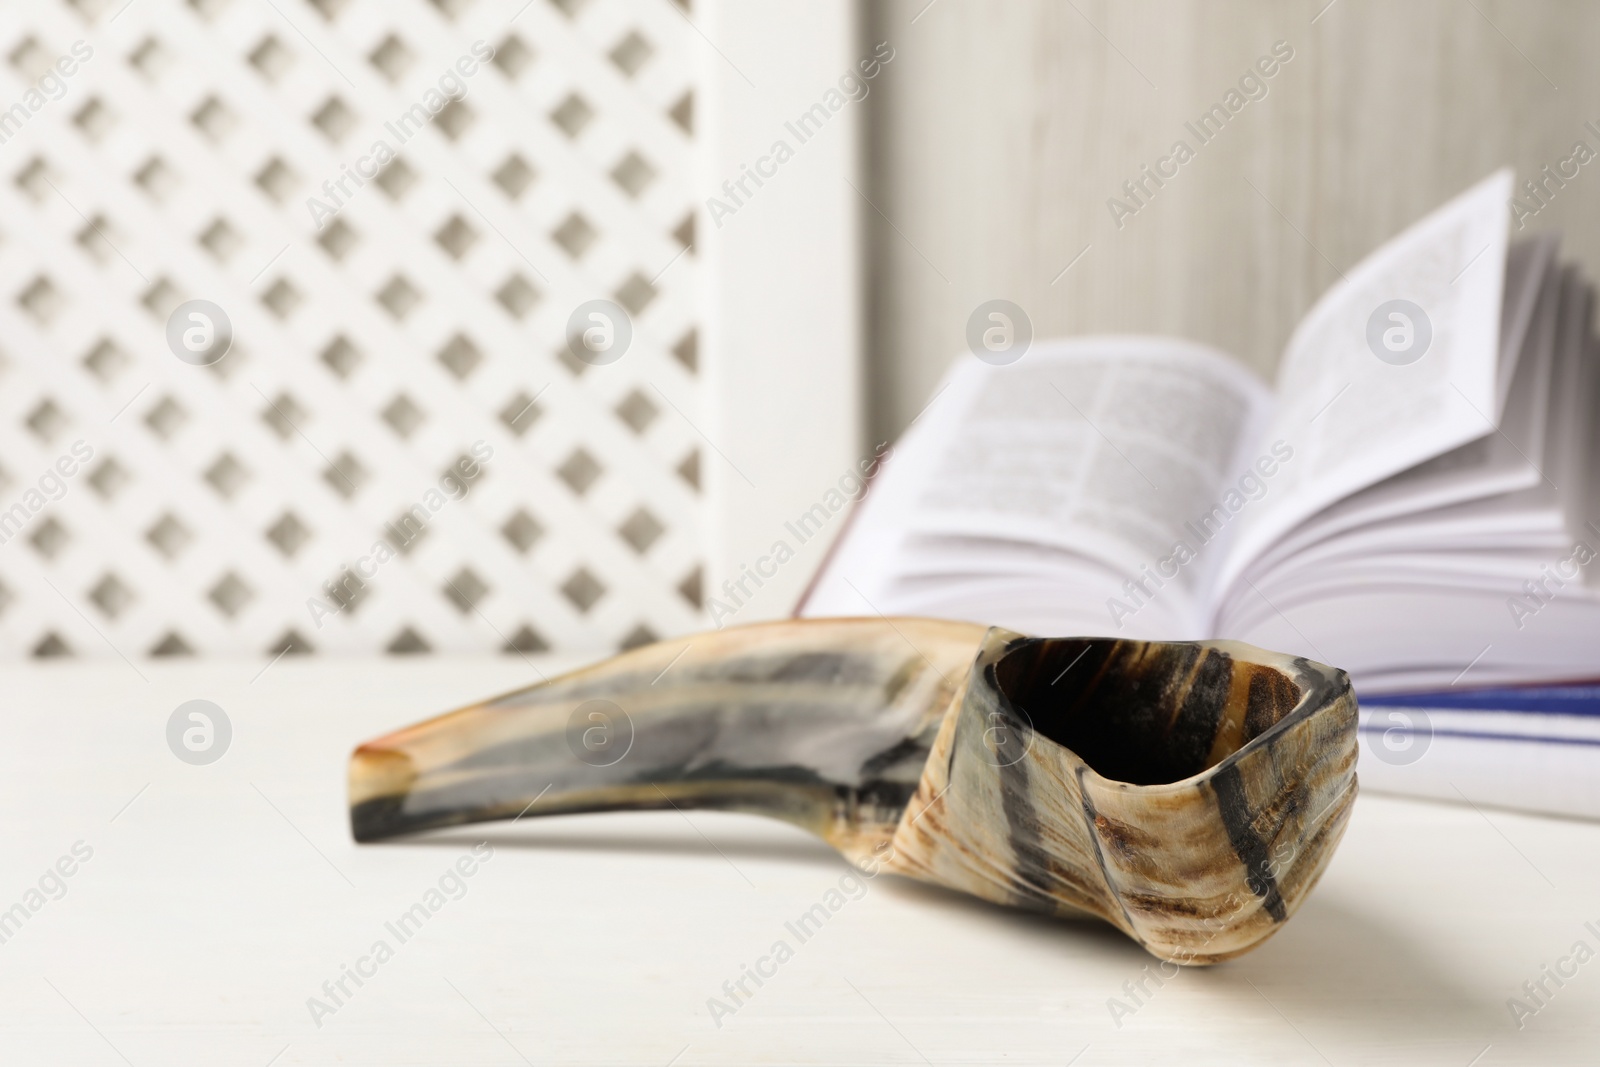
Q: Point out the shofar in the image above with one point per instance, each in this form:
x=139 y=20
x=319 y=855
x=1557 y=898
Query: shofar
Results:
x=1188 y=793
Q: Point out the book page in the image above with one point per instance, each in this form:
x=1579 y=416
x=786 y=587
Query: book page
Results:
x=1114 y=450
x=1572 y=410
x=1396 y=364
x=1498 y=463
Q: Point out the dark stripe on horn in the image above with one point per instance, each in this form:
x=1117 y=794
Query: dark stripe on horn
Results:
x=1011 y=741
x=1251 y=850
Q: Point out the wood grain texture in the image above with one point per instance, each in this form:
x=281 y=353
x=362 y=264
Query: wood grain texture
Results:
x=1001 y=130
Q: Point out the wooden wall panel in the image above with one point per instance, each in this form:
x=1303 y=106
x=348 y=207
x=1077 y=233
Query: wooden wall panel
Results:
x=1002 y=129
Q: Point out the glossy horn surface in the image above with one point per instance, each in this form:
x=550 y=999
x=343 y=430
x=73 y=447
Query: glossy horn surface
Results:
x=1189 y=793
x=826 y=725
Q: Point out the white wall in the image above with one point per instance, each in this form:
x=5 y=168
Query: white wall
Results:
x=1003 y=128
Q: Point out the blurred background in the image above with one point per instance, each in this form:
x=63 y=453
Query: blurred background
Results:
x=383 y=331
x=417 y=319
x=1003 y=129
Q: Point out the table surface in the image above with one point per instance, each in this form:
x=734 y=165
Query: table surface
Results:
x=217 y=900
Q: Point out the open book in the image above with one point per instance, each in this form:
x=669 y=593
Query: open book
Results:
x=1412 y=502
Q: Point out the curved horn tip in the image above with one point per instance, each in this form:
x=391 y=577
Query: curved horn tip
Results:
x=380 y=778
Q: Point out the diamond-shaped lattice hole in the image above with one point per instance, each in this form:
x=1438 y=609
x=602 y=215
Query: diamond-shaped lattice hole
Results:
x=408 y=643
x=451 y=9
x=580 y=471
x=636 y=293
x=689 y=469
x=282 y=298
x=166 y=418
x=284 y=415
x=465 y=590
x=346 y=590
x=392 y=58
x=455 y=119
x=459 y=472
x=346 y=475
x=460 y=356
x=568 y=8
x=288 y=534
x=214 y=118
x=687 y=351
x=513 y=56
x=34 y=179
x=637 y=411
x=41 y=299
x=105 y=360
x=49 y=538
x=96 y=238
x=290 y=644
x=464 y=469
x=94 y=118
x=109 y=478
x=520 y=413
x=226 y=475
x=221 y=239
x=337 y=239
x=50 y=647
x=575 y=235
x=583 y=589
x=633 y=173
x=271 y=58
x=641 y=530
x=403 y=416
x=341 y=357
x=525 y=640
x=230 y=594
x=396 y=179
x=30 y=58
x=682 y=113
x=571 y=362
x=335 y=119
x=631 y=53
x=407 y=529
x=156 y=178
x=522 y=530
x=399 y=296
x=111 y=596
x=277 y=180
x=47 y=420
x=637 y=637
x=518 y=296
x=684 y=233
x=514 y=176
x=329 y=9
x=572 y=114
x=172 y=645
x=692 y=588
x=169 y=536
x=161 y=298
x=456 y=236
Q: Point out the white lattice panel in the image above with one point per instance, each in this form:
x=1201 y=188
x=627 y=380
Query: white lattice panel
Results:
x=369 y=356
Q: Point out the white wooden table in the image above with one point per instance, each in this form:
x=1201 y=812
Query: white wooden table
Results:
x=219 y=898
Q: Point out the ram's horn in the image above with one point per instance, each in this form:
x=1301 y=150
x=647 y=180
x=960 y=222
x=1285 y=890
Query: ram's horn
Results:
x=1188 y=793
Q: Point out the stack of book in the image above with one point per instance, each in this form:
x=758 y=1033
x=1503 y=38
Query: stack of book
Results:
x=1413 y=502
x=1536 y=748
